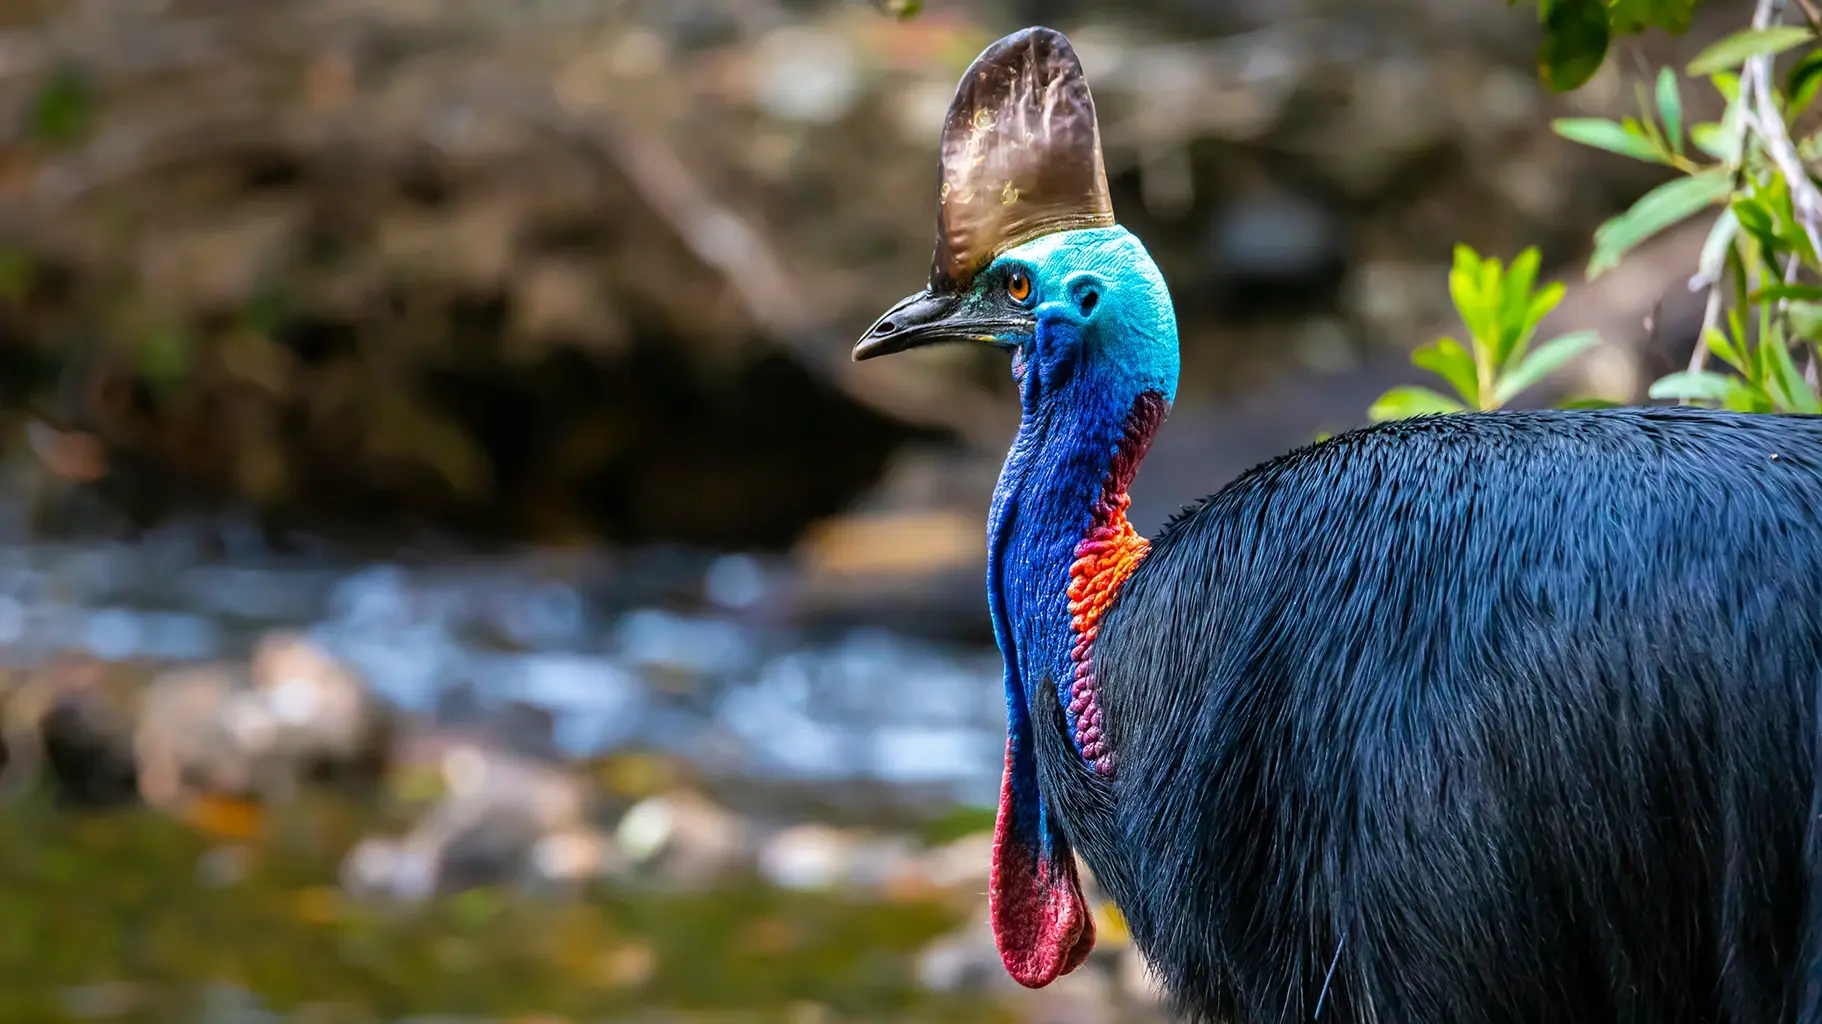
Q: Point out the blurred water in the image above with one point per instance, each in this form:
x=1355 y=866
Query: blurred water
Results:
x=657 y=650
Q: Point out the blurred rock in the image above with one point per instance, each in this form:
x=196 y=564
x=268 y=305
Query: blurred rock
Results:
x=965 y=960
x=200 y=731
x=573 y=856
x=326 y=718
x=681 y=838
x=820 y=857
x=501 y=818
x=67 y=725
x=293 y=715
x=961 y=864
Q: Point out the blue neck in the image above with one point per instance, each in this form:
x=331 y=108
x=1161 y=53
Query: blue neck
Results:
x=1043 y=508
x=1082 y=374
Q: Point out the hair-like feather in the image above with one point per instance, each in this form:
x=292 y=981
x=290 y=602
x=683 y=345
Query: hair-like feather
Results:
x=1497 y=717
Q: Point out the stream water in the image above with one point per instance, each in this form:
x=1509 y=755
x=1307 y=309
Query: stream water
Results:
x=130 y=915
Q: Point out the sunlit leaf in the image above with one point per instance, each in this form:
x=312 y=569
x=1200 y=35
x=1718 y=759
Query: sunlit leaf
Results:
x=900 y=9
x=1467 y=289
x=1709 y=138
x=1539 y=307
x=1723 y=346
x=1662 y=207
x=1744 y=45
x=1410 y=400
x=1549 y=357
x=1515 y=305
x=1696 y=385
x=1608 y=135
x=1785 y=381
x=1806 y=316
x=1448 y=360
x=1778 y=292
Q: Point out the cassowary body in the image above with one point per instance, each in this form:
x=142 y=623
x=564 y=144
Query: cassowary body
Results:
x=1480 y=718
x=1496 y=718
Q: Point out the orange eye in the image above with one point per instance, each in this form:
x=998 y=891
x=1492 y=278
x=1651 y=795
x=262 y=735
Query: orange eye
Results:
x=1018 y=286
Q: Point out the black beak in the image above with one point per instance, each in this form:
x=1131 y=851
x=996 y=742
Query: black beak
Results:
x=933 y=318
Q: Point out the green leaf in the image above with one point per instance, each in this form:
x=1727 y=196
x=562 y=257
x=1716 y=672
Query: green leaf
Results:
x=1670 y=108
x=1629 y=16
x=1696 y=385
x=1448 y=360
x=1589 y=403
x=1601 y=133
x=63 y=110
x=1539 y=307
x=1574 y=42
x=1548 y=358
x=1722 y=346
x=1786 y=383
x=1660 y=208
x=1709 y=138
x=1515 y=321
x=1409 y=400
x=1800 y=84
x=1756 y=220
x=1744 y=45
x=903 y=10
x=1467 y=289
x=1778 y=292
x=1806 y=318
x=18 y=273
x=1744 y=397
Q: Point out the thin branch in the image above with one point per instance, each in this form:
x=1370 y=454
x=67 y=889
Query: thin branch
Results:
x=1811 y=14
x=1806 y=201
x=1711 y=321
x=1755 y=114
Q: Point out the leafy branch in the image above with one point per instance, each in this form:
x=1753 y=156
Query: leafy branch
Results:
x=1760 y=262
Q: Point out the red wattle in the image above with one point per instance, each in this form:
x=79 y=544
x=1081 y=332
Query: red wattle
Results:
x=1041 y=922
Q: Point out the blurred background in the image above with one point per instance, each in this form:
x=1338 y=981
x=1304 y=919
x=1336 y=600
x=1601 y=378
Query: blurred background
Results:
x=449 y=567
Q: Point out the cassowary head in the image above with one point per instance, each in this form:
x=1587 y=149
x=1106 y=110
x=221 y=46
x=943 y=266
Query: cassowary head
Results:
x=1029 y=259
x=1026 y=235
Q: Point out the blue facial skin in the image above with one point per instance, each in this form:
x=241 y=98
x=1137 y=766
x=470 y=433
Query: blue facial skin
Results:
x=1104 y=333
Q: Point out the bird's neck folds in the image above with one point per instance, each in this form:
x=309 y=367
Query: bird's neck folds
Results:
x=1106 y=555
x=1061 y=547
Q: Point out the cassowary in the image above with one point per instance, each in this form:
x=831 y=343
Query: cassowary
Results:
x=1503 y=717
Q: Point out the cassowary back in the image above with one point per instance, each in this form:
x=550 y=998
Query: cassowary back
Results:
x=1504 y=717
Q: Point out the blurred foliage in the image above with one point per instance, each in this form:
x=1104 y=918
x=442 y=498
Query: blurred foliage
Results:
x=1759 y=264
x=901 y=9
x=1762 y=316
x=587 y=274
x=1576 y=33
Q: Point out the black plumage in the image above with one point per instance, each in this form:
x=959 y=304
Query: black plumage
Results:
x=1501 y=717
